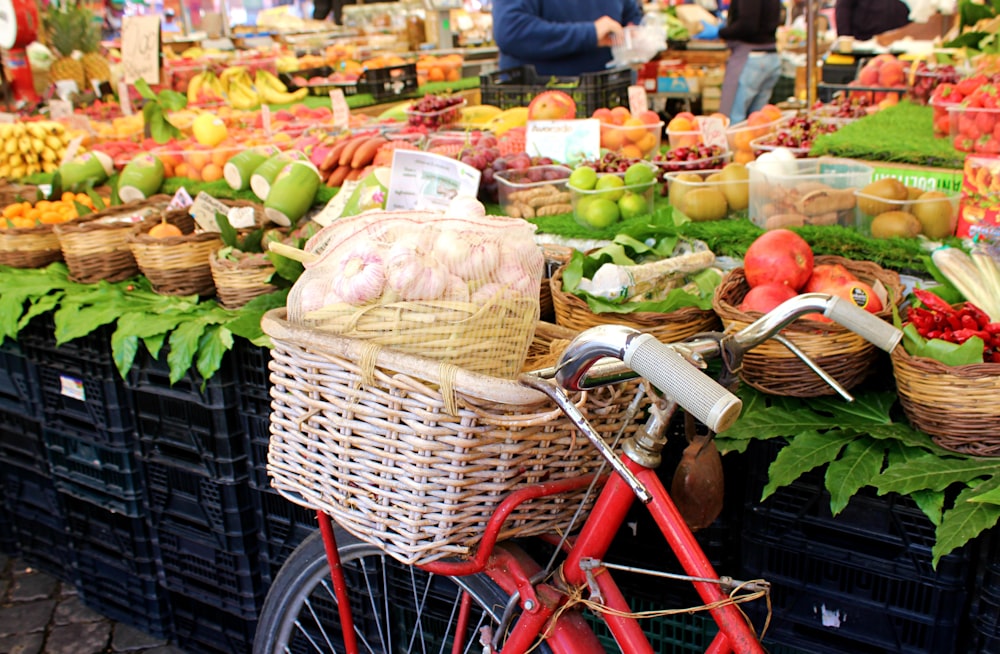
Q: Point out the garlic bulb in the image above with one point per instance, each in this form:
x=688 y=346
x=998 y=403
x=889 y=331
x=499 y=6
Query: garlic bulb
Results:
x=465 y=206
x=456 y=289
x=487 y=293
x=470 y=254
x=362 y=276
x=416 y=276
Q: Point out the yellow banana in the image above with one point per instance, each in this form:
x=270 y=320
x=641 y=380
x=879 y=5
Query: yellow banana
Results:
x=270 y=79
x=53 y=141
x=271 y=96
x=242 y=96
x=478 y=115
x=49 y=166
x=4 y=171
x=17 y=172
x=19 y=130
x=231 y=73
x=36 y=130
x=31 y=169
x=15 y=160
x=194 y=85
x=10 y=146
x=24 y=144
x=507 y=119
x=48 y=154
x=37 y=144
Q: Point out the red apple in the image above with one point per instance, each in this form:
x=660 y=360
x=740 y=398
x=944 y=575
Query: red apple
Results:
x=552 y=105
x=827 y=275
x=765 y=297
x=778 y=256
x=860 y=294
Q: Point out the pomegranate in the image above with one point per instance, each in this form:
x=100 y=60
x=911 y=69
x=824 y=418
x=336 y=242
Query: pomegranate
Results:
x=765 y=297
x=827 y=275
x=861 y=294
x=778 y=256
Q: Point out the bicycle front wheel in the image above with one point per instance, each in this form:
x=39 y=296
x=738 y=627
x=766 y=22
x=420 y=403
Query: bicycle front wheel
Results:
x=396 y=608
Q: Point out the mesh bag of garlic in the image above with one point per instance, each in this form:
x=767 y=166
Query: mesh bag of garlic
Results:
x=462 y=289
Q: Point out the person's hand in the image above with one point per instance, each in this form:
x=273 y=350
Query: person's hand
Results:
x=609 y=31
x=708 y=31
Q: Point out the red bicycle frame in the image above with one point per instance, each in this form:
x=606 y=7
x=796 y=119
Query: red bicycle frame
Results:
x=512 y=570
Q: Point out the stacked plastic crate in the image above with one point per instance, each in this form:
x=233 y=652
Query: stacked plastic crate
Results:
x=201 y=515
x=90 y=444
x=859 y=582
x=283 y=525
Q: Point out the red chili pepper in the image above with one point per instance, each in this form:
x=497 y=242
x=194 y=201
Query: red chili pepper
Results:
x=932 y=301
x=992 y=328
x=994 y=357
x=978 y=314
x=934 y=333
x=954 y=321
x=968 y=322
x=962 y=335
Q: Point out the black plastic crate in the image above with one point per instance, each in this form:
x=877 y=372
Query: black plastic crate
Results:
x=8 y=535
x=95 y=531
x=516 y=87
x=150 y=373
x=316 y=89
x=204 y=628
x=254 y=377
x=101 y=406
x=109 y=477
x=184 y=496
x=21 y=441
x=389 y=82
x=984 y=621
x=116 y=592
x=38 y=520
x=258 y=437
x=87 y=356
x=283 y=526
x=228 y=577
x=31 y=489
x=18 y=382
x=843 y=599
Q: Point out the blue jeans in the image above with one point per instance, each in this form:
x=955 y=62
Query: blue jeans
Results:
x=757 y=80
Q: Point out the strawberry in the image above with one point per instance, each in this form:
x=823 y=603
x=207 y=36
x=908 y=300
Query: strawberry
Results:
x=963 y=144
x=985 y=121
x=967 y=125
x=969 y=84
x=946 y=94
x=987 y=145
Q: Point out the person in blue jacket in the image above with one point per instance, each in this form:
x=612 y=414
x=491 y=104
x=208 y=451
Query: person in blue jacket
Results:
x=560 y=37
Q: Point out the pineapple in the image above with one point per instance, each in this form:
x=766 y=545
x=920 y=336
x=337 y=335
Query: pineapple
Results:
x=95 y=65
x=64 y=28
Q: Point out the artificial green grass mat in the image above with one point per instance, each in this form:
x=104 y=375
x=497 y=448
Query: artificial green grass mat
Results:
x=901 y=133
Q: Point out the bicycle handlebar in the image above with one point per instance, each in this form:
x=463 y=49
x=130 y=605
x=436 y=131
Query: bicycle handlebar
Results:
x=584 y=363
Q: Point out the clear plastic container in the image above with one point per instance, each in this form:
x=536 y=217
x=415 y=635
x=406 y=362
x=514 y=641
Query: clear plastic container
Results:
x=935 y=211
x=602 y=207
x=197 y=162
x=538 y=187
x=688 y=138
x=796 y=192
x=704 y=163
x=434 y=119
x=713 y=198
x=633 y=141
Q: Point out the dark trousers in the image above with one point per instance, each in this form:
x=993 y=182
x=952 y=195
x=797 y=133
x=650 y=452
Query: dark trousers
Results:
x=322 y=9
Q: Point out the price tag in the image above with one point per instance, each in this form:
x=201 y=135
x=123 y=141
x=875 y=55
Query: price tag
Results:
x=59 y=109
x=713 y=132
x=124 y=99
x=564 y=141
x=181 y=200
x=265 y=117
x=638 y=101
x=71 y=149
x=204 y=209
x=141 y=49
x=7 y=118
x=428 y=181
x=341 y=112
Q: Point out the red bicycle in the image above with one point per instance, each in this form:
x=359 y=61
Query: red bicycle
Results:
x=338 y=594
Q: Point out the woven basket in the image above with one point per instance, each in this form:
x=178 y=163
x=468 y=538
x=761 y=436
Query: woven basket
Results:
x=956 y=405
x=412 y=454
x=772 y=368
x=11 y=192
x=96 y=247
x=547 y=344
x=573 y=312
x=29 y=247
x=238 y=282
x=176 y=265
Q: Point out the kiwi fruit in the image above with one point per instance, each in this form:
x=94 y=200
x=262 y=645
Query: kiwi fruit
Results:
x=895 y=224
x=935 y=211
x=735 y=187
x=882 y=195
x=704 y=204
x=681 y=184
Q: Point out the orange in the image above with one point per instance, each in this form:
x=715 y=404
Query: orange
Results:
x=612 y=138
x=211 y=172
x=647 y=143
x=435 y=74
x=68 y=196
x=453 y=75
x=631 y=151
x=181 y=170
x=637 y=129
x=620 y=114
x=197 y=159
x=51 y=218
x=743 y=156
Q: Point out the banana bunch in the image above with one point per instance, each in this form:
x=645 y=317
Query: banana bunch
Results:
x=205 y=88
x=240 y=91
x=273 y=91
x=29 y=148
x=507 y=119
x=478 y=115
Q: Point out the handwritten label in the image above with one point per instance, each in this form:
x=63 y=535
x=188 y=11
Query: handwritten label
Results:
x=71 y=149
x=564 y=141
x=265 y=117
x=124 y=99
x=713 y=132
x=638 y=101
x=141 y=49
x=341 y=112
x=423 y=180
x=59 y=109
x=204 y=209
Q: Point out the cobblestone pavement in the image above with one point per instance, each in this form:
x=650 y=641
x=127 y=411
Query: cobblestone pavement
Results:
x=41 y=615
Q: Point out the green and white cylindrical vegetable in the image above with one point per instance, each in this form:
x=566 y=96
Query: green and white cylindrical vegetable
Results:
x=93 y=167
x=292 y=193
x=141 y=178
x=975 y=277
x=266 y=172
x=240 y=168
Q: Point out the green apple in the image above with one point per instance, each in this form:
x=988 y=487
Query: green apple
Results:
x=613 y=184
x=633 y=205
x=639 y=173
x=583 y=178
x=598 y=213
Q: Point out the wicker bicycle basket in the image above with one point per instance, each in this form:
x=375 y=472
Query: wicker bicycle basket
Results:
x=773 y=368
x=956 y=405
x=175 y=265
x=96 y=247
x=574 y=312
x=413 y=454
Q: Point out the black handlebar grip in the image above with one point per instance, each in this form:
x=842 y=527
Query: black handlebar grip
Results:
x=679 y=380
x=880 y=333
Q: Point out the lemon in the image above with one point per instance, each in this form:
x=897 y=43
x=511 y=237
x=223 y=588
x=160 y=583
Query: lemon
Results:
x=209 y=130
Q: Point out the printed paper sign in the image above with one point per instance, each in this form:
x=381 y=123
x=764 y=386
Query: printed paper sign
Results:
x=638 y=101
x=141 y=49
x=713 y=132
x=427 y=181
x=341 y=112
x=564 y=141
x=59 y=109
